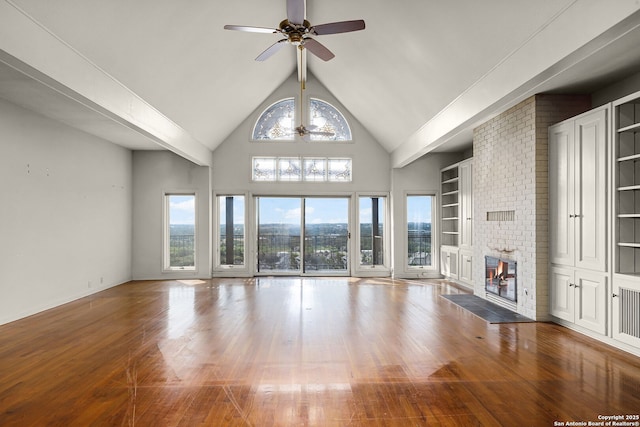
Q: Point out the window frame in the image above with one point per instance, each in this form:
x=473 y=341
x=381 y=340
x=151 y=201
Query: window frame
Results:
x=295 y=118
x=385 y=267
x=434 y=233
x=218 y=264
x=166 y=238
x=295 y=138
x=327 y=177
x=309 y=100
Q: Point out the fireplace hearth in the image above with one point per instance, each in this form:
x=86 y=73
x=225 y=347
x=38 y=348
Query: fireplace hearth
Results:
x=501 y=277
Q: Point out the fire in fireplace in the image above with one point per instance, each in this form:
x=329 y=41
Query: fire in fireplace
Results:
x=501 y=277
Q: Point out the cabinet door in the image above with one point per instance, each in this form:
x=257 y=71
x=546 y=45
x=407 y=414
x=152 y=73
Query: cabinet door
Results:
x=449 y=261
x=591 y=295
x=466 y=265
x=453 y=265
x=562 y=293
x=561 y=200
x=445 y=261
x=466 y=205
x=591 y=191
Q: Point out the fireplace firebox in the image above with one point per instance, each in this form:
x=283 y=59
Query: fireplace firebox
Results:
x=501 y=277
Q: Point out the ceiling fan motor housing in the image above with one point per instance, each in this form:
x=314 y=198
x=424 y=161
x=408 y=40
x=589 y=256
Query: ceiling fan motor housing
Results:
x=295 y=33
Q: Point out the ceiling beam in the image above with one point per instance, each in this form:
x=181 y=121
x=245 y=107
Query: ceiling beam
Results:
x=575 y=33
x=33 y=50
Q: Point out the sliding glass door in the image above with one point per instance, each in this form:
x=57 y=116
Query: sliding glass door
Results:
x=326 y=235
x=279 y=225
x=303 y=235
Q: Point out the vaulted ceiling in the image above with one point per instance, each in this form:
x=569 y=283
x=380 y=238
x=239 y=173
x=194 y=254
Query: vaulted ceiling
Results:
x=165 y=74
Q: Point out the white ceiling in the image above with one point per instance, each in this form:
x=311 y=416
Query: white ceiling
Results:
x=419 y=77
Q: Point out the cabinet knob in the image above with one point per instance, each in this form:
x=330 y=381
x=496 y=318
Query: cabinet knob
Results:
x=614 y=295
x=571 y=285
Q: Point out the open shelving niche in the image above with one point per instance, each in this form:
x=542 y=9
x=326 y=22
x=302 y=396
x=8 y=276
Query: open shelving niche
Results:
x=627 y=146
x=450 y=187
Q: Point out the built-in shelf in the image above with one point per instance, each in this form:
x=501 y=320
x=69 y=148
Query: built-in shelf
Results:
x=628 y=245
x=450 y=201
x=626 y=119
x=629 y=188
x=629 y=158
x=452 y=180
x=456 y=210
x=630 y=273
x=631 y=128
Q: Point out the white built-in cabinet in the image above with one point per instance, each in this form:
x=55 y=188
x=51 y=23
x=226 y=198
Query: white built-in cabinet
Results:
x=456 y=221
x=465 y=257
x=594 y=221
x=449 y=262
x=578 y=219
x=579 y=296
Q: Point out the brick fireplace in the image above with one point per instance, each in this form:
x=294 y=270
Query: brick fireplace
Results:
x=511 y=197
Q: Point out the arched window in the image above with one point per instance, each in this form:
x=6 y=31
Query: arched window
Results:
x=327 y=118
x=277 y=122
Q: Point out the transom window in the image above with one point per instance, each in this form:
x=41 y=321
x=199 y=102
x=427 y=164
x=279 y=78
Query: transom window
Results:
x=278 y=122
x=312 y=169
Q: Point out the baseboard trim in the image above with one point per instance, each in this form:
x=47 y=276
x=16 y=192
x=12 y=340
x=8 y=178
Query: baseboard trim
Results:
x=598 y=337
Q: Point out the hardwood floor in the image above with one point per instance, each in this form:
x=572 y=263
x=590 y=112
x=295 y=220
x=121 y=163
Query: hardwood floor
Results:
x=300 y=351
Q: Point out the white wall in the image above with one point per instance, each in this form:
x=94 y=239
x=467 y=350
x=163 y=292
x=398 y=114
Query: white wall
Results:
x=156 y=173
x=65 y=213
x=420 y=177
x=232 y=160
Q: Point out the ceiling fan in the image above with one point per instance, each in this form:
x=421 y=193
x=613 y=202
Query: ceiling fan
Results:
x=297 y=31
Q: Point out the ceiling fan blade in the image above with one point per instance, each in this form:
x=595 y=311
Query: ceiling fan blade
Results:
x=311 y=130
x=318 y=49
x=322 y=133
x=338 y=27
x=271 y=50
x=307 y=136
x=295 y=11
x=250 y=29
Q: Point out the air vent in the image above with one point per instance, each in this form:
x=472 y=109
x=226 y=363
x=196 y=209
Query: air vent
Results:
x=630 y=312
x=501 y=216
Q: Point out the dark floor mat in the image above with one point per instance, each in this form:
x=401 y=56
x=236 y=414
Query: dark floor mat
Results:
x=486 y=310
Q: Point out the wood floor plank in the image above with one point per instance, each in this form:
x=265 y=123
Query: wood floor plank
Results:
x=300 y=351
